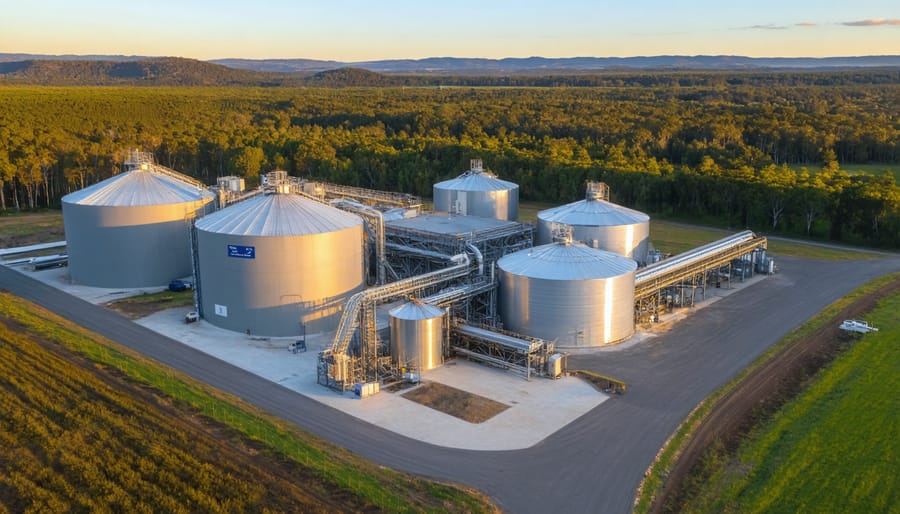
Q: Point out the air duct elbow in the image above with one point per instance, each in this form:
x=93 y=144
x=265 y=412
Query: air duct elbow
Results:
x=478 y=257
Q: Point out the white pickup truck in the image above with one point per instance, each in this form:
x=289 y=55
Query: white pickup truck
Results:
x=855 y=325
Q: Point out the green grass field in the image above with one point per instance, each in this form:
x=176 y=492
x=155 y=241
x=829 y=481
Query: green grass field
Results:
x=673 y=238
x=835 y=448
x=656 y=474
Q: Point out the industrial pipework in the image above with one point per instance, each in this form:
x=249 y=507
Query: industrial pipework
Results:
x=338 y=369
x=375 y=219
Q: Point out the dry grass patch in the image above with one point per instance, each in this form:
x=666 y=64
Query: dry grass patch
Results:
x=456 y=402
x=139 y=306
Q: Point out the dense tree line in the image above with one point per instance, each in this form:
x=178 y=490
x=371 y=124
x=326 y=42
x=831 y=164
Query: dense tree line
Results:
x=768 y=157
x=177 y=71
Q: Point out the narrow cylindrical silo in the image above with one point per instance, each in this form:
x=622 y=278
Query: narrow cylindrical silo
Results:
x=417 y=336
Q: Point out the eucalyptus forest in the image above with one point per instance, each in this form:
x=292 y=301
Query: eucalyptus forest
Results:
x=771 y=156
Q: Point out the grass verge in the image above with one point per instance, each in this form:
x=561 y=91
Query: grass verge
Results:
x=386 y=489
x=654 y=478
x=145 y=304
x=833 y=448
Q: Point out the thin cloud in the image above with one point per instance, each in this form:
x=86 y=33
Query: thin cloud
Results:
x=805 y=24
x=874 y=22
x=768 y=26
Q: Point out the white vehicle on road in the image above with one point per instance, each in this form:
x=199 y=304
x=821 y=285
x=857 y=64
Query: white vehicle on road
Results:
x=855 y=325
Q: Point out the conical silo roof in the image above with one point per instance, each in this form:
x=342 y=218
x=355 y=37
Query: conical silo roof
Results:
x=560 y=261
x=278 y=215
x=416 y=310
x=139 y=187
x=593 y=212
x=476 y=181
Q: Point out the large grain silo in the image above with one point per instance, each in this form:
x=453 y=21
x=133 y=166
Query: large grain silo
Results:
x=274 y=263
x=133 y=229
x=568 y=293
x=478 y=192
x=417 y=336
x=599 y=224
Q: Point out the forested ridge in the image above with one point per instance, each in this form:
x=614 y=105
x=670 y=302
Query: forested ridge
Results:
x=768 y=154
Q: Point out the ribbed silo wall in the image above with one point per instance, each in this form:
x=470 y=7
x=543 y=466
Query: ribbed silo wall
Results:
x=629 y=240
x=502 y=204
x=289 y=282
x=129 y=246
x=417 y=336
x=574 y=313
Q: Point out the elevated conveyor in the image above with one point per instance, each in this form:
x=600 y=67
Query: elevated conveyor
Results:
x=691 y=268
x=506 y=350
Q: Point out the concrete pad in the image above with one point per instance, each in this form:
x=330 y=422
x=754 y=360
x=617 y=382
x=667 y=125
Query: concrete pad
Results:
x=537 y=408
x=59 y=278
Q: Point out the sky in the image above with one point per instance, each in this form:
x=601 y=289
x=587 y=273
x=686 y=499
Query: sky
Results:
x=359 y=30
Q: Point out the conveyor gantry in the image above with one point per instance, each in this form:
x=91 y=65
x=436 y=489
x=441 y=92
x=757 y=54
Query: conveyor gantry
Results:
x=685 y=267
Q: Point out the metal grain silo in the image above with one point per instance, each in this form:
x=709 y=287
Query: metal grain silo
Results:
x=570 y=293
x=417 y=336
x=272 y=263
x=478 y=192
x=599 y=224
x=133 y=229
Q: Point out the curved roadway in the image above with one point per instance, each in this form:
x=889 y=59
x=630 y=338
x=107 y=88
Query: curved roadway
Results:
x=595 y=463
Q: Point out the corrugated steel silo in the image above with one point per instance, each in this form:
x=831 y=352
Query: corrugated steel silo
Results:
x=570 y=293
x=133 y=229
x=274 y=262
x=478 y=192
x=599 y=224
x=417 y=336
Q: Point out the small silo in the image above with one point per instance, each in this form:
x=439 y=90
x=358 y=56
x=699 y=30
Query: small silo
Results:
x=417 y=336
x=133 y=229
x=275 y=262
x=569 y=293
x=478 y=192
x=599 y=223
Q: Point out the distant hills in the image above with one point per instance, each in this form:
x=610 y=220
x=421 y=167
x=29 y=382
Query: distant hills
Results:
x=531 y=71
x=531 y=65
x=163 y=71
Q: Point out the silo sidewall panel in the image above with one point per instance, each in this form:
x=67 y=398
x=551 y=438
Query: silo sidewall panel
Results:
x=442 y=200
x=642 y=241
x=291 y=281
x=542 y=233
x=574 y=313
x=512 y=204
x=417 y=343
x=128 y=246
x=499 y=204
x=612 y=238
